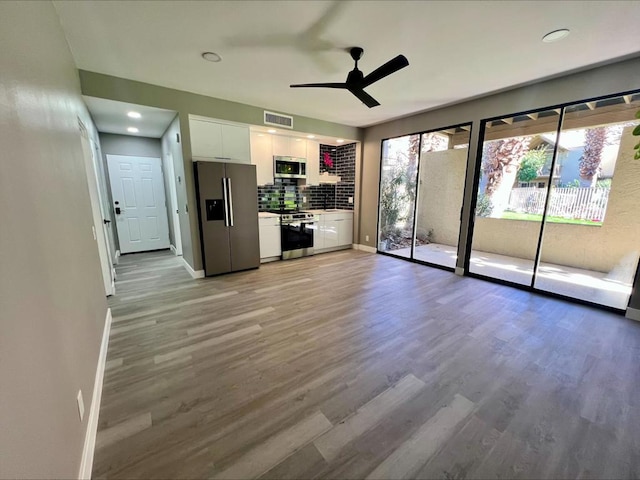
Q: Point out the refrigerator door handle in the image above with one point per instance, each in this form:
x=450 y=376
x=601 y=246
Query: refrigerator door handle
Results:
x=226 y=202
x=230 y=197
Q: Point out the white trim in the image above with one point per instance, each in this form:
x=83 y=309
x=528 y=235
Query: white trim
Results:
x=86 y=464
x=459 y=271
x=173 y=249
x=192 y=272
x=633 y=314
x=364 y=248
x=117 y=254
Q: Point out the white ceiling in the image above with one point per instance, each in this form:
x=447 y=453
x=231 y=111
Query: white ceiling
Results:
x=456 y=50
x=111 y=117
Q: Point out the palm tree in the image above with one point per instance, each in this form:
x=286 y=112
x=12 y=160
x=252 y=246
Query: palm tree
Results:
x=500 y=163
x=595 y=139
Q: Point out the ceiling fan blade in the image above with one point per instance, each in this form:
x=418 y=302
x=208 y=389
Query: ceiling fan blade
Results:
x=388 y=68
x=327 y=18
x=364 y=97
x=320 y=85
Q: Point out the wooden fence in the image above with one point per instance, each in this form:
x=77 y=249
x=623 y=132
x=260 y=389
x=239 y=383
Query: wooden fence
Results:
x=575 y=203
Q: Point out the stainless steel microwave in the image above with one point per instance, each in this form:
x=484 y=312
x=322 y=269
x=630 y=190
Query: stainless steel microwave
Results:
x=289 y=167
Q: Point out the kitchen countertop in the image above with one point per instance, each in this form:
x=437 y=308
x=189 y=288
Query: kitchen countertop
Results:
x=267 y=215
x=329 y=210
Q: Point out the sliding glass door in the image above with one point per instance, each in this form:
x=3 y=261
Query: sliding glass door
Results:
x=515 y=171
x=398 y=172
x=421 y=192
x=443 y=165
x=558 y=199
x=589 y=247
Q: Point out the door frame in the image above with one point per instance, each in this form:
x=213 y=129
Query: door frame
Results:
x=173 y=201
x=99 y=233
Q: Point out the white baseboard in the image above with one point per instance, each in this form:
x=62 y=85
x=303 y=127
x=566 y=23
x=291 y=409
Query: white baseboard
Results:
x=86 y=465
x=364 y=248
x=173 y=249
x=633 y=314
x=459 y=271
x=192 y=272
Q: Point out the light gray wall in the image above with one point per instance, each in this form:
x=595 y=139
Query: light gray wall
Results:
x=52 y=299
x=172 y=147
x=113 y=144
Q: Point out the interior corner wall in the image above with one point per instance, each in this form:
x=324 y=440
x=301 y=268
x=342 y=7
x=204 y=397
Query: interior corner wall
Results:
x=52 y=299
x=172 y=143
x=600 y=81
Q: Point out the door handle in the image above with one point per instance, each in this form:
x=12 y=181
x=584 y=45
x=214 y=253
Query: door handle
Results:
x=105 y=221
x=230 y=194
x=119 y=210
x=225 y=201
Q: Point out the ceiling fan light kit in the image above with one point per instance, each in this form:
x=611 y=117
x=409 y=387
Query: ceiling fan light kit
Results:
x=357 y=81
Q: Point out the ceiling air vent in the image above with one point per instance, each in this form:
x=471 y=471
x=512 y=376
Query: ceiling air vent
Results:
x=278 y=120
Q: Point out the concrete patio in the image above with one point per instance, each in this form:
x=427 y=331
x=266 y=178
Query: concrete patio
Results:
x=611 y=289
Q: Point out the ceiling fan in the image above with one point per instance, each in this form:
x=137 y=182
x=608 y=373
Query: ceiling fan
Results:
x=309 y=41
x=356 y=81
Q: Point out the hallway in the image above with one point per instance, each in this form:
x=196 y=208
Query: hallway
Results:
x=352 y=365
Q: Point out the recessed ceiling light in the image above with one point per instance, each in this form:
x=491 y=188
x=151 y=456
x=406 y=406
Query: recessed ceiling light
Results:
x=340 y=140
x=311 y=136
x=271 y=130
x=212 y=57
x=556 y=35
x=132 y=130
x=133 y=115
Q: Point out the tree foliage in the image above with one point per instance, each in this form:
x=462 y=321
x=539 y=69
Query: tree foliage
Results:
x=531 y=164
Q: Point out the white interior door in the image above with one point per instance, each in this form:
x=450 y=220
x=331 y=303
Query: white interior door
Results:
x=98 y=224
x=174 y=204
x=137 y=189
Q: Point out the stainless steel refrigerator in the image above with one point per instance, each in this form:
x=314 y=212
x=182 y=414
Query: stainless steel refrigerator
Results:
x=228 y=214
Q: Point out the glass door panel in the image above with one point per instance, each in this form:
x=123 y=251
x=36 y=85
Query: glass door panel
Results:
x=398 y=174
x=512 y=190
x=589 y=249
x=443 y=164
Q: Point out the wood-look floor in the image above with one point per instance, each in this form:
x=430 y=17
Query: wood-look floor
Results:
x=353 y=365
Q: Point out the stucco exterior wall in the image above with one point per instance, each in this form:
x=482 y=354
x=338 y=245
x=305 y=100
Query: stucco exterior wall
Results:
x=440 y=193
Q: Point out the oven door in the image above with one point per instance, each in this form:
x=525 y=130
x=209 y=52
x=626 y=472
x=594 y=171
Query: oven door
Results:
x=297 y=239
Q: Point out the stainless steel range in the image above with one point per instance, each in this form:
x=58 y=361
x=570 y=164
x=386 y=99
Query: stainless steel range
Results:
x=297 y=229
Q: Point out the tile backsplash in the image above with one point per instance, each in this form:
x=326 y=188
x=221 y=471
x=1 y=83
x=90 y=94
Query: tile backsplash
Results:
x=284 y=194
x=287 y=194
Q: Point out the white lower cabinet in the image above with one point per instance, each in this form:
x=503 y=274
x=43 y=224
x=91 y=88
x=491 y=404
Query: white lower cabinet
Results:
x=269 y=231
x=335 y=231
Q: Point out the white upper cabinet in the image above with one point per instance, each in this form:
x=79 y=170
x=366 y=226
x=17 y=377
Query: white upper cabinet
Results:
x=206 y=139
x=262 y=157
x=281 y=146
x=298 y=147
x=235 y=143
x=313 y=162
x=219 y=141
x=289 y=146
